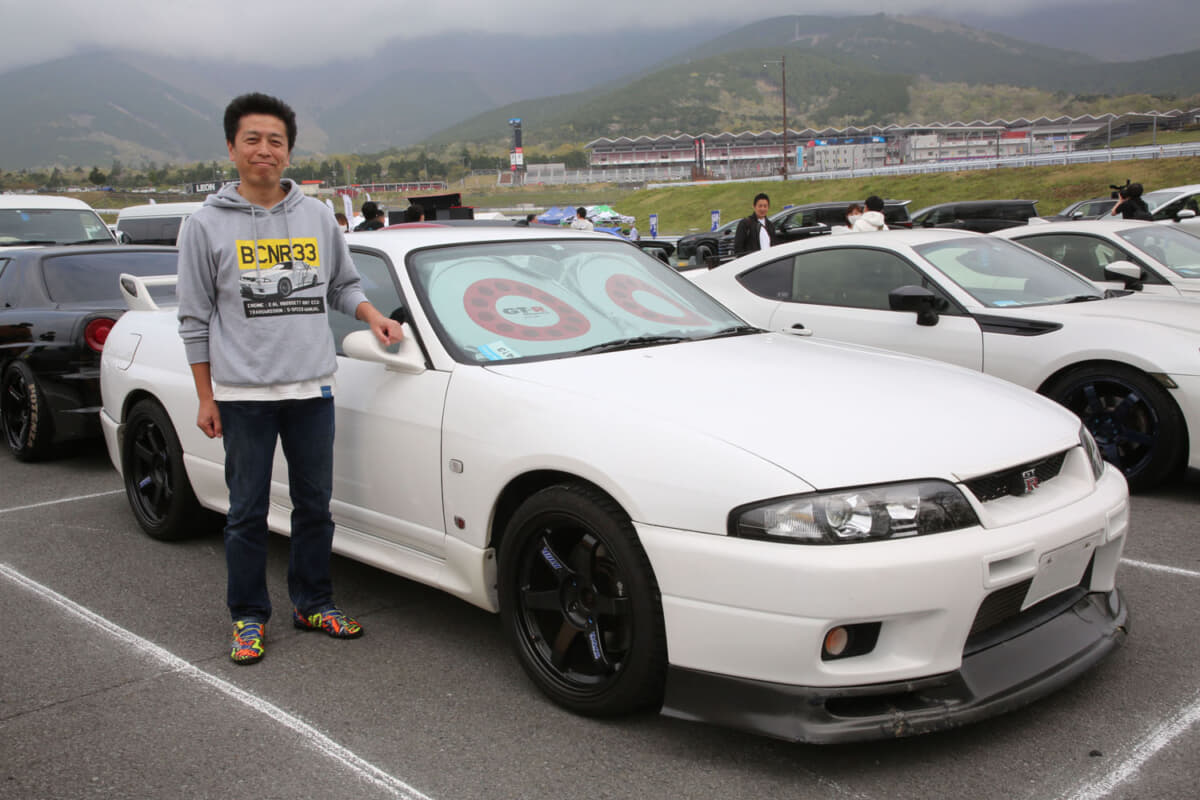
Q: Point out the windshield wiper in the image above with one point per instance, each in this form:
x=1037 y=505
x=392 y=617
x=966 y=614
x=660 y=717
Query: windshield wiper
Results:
x=31 y=241
x=89 y=241
x=735 y=330
x=1083 y=298
x=632 y=342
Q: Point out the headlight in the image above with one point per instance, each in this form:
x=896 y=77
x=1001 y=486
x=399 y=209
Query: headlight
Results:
x=1093 y=451
x=870 y=513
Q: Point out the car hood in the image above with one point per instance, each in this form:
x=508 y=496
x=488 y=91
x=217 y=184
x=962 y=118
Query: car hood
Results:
x=1163 y=311
x=832 y=414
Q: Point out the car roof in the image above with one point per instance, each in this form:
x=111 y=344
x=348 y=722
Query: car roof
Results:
x=41 y=201
x=159 y=210
x=1174 y=191
x=411 y=237
x=1102 y=226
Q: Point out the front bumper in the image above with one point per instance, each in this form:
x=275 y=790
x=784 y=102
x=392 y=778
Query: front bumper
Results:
x=1188 y=397
x=1007 y=675
x=252 y=290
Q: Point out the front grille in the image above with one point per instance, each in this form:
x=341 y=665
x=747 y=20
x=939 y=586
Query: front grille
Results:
x=1011 y=482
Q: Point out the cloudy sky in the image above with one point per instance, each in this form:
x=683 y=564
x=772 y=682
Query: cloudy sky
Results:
x=258 y=32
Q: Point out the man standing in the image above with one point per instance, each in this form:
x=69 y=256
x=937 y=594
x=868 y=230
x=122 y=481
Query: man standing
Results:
x=872 y=219
x=581 y=222
x=755 y=232
x=263 y=361
x=372 y=217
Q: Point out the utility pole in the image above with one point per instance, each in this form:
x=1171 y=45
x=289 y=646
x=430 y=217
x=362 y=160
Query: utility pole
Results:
x=782 y=62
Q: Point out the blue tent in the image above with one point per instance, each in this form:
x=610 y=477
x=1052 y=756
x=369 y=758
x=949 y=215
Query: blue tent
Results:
x=555 y=216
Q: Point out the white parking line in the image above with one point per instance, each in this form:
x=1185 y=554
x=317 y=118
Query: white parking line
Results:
x=60 y=500
x=173 y=663
x=1187 y=573
x=1142 y=751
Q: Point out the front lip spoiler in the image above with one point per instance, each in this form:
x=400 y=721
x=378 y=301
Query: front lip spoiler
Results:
x=992 y=681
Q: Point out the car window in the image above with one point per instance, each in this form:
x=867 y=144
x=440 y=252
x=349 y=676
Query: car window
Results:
x=895 y=214
x=380 y=288
x=999 y=274
x=93 y=277
x=1178 y=251
x=516 y=300
x=151 y=230
x=52 y=226
x=854 y=277
x=1087 y=255
x=772 y=281
x=1019 y=212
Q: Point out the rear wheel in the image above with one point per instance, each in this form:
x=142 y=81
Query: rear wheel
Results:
x=25 y=416
x=580 y=603
x=285 y=287
x=1134 y=420
x=705 y=256
x=156 y=481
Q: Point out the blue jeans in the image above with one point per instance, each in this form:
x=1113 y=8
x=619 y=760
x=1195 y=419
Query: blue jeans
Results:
x=305 y=428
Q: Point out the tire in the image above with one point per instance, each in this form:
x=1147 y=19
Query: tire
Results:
x=1136 y=423
x=580 y=603
x=156 y=482
x=704 y=255
x=28 y=428
x=284 y=288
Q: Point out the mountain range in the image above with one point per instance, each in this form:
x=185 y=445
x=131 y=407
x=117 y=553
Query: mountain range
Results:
x=92 y=108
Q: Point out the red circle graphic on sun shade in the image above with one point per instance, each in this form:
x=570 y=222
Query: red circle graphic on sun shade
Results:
x=516 y=310
x=622 y=290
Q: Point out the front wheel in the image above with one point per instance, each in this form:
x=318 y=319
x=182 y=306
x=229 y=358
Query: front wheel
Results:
x=705 y=256
x=1134 y=420
x=580 y=603
x=24 y=414
x=156 y=482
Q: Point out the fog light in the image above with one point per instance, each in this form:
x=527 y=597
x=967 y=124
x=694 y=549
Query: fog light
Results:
x=836 y=641
x=846 y=641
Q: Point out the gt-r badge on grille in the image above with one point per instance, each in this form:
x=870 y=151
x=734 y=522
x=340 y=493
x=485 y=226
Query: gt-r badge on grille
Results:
x=1030 y=478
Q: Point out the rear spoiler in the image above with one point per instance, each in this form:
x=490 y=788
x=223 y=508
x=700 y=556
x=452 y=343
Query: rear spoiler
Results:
x=136 y=290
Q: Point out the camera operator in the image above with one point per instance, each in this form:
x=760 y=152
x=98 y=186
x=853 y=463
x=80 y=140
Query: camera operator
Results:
x=1130 y=202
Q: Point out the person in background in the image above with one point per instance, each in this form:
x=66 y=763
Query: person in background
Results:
x=414 y=213
x=634 y=236
x=853 y=212
x=581 y=222
x=755 y=232
x=372 y=217
x=871 y=219
x=1130 y=203
x=345 y=223
x=263 y=366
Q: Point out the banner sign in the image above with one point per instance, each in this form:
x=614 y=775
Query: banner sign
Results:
x=716 y=218
x=654 y=226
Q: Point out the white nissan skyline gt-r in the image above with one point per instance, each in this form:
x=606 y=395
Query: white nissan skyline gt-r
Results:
x=279 y=280
x=669 y=508
x=1129 y=366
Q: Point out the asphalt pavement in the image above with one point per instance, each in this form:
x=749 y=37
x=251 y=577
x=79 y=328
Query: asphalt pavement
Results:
x=116 y=684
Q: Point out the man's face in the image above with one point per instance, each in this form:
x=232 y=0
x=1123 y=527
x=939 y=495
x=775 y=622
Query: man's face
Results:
x=761 y=208
x=260 y=149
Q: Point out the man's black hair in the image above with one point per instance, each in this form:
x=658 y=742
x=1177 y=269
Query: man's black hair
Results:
x=874 y=203
x=581 y=212
x=413 y=213
x=370 y=209
x=259 y=103
x=761 y=196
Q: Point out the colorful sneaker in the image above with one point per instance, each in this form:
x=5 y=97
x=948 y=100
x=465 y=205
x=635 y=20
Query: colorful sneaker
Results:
x=248 y=638
x=333 y=621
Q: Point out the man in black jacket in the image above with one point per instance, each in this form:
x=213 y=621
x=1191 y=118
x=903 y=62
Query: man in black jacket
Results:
x=755 y=232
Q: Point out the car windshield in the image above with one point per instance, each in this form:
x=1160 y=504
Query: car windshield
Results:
x=1155 y=199
x=93 y=277
x=23 y=226
x=549 y=299
x=1000 y=274
x=1171 y=247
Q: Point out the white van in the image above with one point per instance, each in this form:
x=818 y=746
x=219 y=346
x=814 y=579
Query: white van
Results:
x=35 y=220
x=156 y=223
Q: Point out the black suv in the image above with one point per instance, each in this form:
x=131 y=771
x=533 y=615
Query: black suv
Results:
x=982 y=216
x=706 y=248
x=814 y=219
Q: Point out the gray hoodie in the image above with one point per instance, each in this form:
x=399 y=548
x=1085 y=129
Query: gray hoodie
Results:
x=254 y=285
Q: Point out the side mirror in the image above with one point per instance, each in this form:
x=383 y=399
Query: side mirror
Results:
x=1127 y=272
x=1186 y=213
x=363 y=345
x=919 y=299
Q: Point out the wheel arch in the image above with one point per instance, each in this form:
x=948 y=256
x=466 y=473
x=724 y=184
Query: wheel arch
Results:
x=524 y=486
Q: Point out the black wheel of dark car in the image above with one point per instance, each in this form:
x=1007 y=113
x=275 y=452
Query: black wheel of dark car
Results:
x=28 y=428
x=284 y=288
x=705 y=255
x=580 y=603
x=1136 y=423
x=156 y=482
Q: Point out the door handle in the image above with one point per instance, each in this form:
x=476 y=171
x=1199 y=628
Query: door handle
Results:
x=799 y=330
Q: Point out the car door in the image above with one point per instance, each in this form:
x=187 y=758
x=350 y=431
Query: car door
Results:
x=1089 y=255
x=387 y=446
x=842 y=293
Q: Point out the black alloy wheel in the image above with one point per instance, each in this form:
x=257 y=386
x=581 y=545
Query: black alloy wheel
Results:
x=1132 y=417
x=24 y=414
x=580 y=603
x=284 y=288
x=156 y=481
